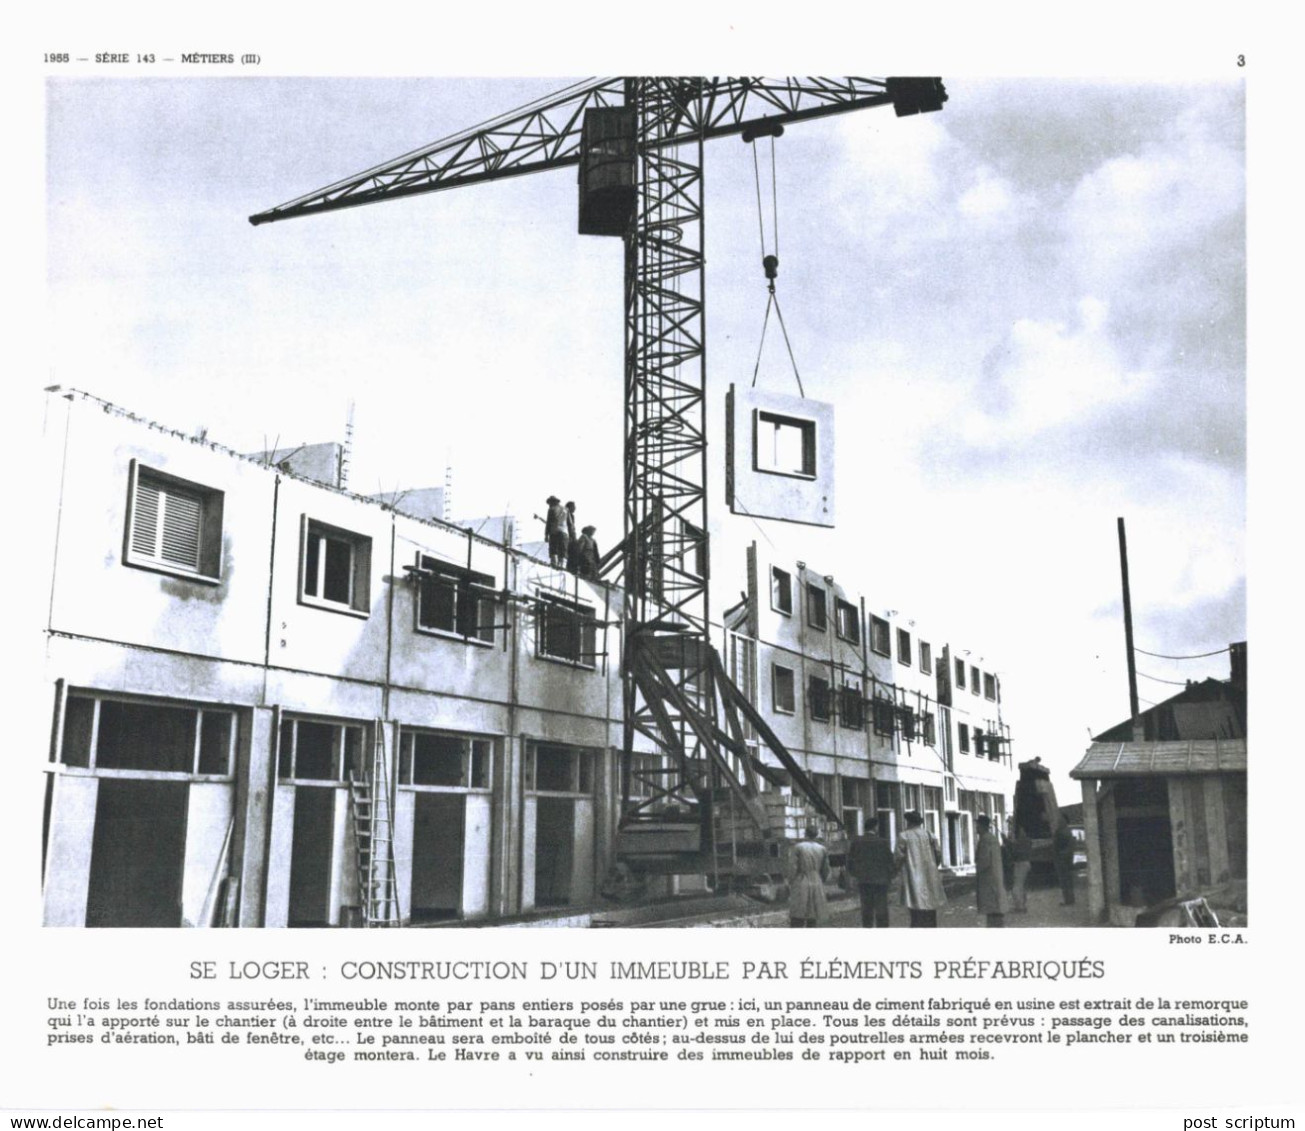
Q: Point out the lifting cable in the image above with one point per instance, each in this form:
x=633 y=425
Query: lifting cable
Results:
x=770 y=262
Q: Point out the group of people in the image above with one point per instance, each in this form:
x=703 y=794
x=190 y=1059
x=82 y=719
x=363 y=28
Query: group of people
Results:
x=1002 y=872
x=1002 y=869
x=565 y=549
x=872 y=864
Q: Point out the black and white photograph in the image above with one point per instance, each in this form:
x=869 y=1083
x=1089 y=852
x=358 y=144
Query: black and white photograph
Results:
x=439 y=561
x=657 y=513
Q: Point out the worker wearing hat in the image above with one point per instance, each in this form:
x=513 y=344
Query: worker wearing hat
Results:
x=572 y=542
x=587 y=554
x=555 y=532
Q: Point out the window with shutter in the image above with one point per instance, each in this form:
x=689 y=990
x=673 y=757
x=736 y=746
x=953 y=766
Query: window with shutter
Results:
x=173 y=525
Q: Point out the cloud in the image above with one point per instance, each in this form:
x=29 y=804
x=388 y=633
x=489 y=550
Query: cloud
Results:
x=1047 y=373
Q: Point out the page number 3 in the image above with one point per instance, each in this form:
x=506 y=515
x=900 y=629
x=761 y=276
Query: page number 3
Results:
x=1241 y=60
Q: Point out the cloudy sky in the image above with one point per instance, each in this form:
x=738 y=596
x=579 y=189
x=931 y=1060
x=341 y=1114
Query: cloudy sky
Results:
x=1028 y=311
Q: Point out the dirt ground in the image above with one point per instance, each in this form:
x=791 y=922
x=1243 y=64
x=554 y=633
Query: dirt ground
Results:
x=1045 y=909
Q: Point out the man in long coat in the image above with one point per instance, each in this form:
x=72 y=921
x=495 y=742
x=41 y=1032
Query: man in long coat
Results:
x=991 y=887
x=917 y=857
x=555 y=532
x=586 y=554
x=809 y=869
x=870 y=863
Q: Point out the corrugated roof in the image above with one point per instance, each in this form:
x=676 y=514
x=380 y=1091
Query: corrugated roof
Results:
x=1189 y=756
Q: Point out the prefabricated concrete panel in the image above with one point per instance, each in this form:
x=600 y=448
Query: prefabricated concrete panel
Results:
x=529 y=815
x=475 y=857
x=277 y=912
x=405 y=804
x=779 y=454
x=339 y=888
x=68 y=850
x=582 y=854
x=208 y=828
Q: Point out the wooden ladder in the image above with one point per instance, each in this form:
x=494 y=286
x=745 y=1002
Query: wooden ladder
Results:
x=373 y=836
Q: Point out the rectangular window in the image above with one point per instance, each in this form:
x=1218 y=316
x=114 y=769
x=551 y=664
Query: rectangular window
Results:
x=785 y=445
x=566 y=631
x=848 y=621
x=453 y=761
x=903 y=647
x=551 y=768
x=974 y=680
x=885 y=716
x=170 y=738
x=963 y=737
x=879 y=636
x=851 y=708
x=827 y=786
x=817 y=616
x=336 y=568
x=980 y=747
x=906 y=723
x=818 y=698
x=989 y=686
x=857 y=793
x=781 y=591
x=782 y=689
x=455 y=601
x=929 y=729
x=173 y=525
x=960 y=674
x=320 y=751
x=926 y=657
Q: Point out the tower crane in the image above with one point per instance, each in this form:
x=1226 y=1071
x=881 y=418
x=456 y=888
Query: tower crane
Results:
x=638 y=145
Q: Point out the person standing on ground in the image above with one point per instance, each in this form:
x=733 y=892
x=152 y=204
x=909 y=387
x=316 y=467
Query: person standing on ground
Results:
x=1062 y=845
x=809 y=868
x=870 y=863
x=555 y=532
x=586 y=554
x=990 y=889
x=917 y=857
x=1021 y=855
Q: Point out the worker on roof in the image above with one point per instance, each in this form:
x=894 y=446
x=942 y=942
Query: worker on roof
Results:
x=572 y=542
x=586 y=554
x=555 y=532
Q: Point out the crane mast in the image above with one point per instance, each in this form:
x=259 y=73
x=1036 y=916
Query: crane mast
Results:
x=639 y=145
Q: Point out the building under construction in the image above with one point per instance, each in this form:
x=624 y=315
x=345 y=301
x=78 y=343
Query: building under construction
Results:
x=276 y=702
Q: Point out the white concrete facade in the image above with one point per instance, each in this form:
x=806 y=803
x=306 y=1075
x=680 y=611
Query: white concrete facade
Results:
x=226 y=638
x=865 y=707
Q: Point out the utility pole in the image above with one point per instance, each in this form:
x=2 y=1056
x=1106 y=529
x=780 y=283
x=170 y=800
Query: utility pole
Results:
x=1128 y=625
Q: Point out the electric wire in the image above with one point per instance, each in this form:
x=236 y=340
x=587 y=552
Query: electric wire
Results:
x=1157 y=679
x=1198 y=656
